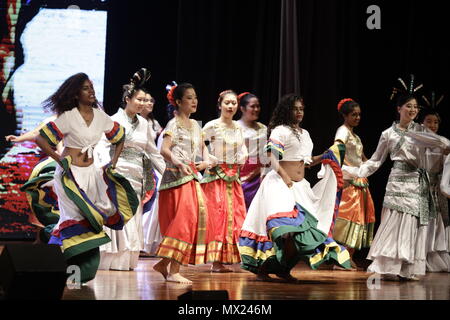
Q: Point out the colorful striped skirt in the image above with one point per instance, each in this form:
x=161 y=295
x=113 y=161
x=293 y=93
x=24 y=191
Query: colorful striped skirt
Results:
x=356 y=219
x=88 y=199
x=302 y=213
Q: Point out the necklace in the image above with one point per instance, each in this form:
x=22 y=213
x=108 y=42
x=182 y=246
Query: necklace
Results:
x=224 y=130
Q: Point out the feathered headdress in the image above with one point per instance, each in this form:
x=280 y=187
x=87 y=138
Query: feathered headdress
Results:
x=405 y=89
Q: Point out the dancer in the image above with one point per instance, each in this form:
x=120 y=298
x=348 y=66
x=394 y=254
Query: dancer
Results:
x=182 y=207
x=255 y=135
x=88 y=198
x=398 y=250
x=288 y=220
x=136 y=162
x=355 y=222
x=225 y=198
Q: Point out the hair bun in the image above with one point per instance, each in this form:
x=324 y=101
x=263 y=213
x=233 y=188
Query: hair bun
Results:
x=341 y=103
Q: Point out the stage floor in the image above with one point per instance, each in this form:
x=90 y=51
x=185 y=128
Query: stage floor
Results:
x=145 y=284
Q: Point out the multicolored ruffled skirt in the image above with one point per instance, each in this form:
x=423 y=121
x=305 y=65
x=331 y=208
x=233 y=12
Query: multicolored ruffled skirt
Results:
x=41 y=197
x=303 y=213
x=89 y=198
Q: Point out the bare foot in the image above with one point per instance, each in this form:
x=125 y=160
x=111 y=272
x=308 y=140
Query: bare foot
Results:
x=287 y=277
x=220 y=268
x=390 y=277
x=343 y=269
x=264 y=277
x=176 y=277
x=161 y=267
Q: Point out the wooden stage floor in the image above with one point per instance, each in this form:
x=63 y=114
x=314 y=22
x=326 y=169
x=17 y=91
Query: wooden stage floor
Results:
x=145 y=284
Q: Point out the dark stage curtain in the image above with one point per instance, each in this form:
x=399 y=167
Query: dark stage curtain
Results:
x=251 y=46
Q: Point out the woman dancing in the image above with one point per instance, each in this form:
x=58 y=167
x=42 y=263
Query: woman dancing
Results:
x=226 y=204
x=288 y=220
x=88 y=197
x=398 y=250
x=182 y=206
x=355 y=222
x=136 y=162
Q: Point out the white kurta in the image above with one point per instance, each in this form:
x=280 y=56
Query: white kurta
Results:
x=122 y=253
x=400 y=245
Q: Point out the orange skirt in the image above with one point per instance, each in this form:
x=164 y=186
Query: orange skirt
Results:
x=356 y=218
x=226 y=207
x=182 y=221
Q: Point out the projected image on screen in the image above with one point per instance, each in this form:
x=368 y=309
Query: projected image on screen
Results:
x=56 y=43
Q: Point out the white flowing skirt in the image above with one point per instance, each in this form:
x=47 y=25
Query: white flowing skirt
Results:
x=122 y=253
x=403 y=247
x=275 y=197
x=90 y=180
x=152 y=234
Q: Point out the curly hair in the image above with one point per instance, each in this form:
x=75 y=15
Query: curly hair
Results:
x=65 y=98
x=282 y=115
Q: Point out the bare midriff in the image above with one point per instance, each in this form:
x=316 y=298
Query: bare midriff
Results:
x=294 y=169
x=79 y=159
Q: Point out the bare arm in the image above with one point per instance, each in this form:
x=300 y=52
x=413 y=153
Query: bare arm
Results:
x=275 y=165
x=169 y=157
x=202 y=165
x=117 y=152
x=28 y=136
x=43 y=144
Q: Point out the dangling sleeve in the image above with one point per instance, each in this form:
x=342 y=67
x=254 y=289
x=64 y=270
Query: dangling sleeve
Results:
x=371 y=166
x=445 y=180
x=54 y=131
x=277 y=141
x=152 y=152
x=429 y=139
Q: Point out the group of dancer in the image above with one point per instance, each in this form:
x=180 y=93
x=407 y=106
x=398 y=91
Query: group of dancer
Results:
x=233 y=191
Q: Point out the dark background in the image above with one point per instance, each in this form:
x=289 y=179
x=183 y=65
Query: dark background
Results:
x=217 y=45
x=235 y=44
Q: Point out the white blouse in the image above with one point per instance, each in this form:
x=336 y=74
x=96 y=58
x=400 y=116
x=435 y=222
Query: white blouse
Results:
x=227 y=145
x=255 y=139
x=289 y=146
x=77 y=134
x=353 y=146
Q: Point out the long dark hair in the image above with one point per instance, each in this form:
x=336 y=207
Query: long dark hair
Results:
x=282 y=115
x=65 y=98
